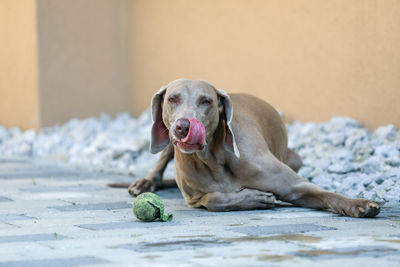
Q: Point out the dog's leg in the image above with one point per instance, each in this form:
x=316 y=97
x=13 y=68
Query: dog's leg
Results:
x=279 y=179
x=245 y=199
x=154 y=179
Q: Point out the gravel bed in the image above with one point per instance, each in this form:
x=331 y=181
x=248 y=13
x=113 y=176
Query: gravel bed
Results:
x=339 y=155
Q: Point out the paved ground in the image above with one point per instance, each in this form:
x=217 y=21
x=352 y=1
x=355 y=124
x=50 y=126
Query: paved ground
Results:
x=53 y=215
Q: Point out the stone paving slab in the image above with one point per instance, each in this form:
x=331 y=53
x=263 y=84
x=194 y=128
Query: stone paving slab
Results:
x=349 y=252
x=14 y=217
x=68 y=188
x=4 y=199
x=93 y=206
x=31 y=238
x=53 y=262
x=282 y=229
x=124 y=225
x=70 y=218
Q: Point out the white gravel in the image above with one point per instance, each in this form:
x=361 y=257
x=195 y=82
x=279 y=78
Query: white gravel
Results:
x=339 y=155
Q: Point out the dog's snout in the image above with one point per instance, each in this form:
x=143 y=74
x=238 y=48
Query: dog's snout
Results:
x=182 y=128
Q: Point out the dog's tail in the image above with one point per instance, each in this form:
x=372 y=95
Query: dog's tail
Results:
x=166 y=183
x=119 y=185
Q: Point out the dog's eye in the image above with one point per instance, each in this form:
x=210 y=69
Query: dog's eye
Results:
x=172 y=100
x=205 y=101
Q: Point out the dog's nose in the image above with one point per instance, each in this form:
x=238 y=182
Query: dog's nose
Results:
x=182 y=128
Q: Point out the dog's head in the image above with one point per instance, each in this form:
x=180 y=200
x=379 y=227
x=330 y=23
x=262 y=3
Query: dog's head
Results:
x=188 y=113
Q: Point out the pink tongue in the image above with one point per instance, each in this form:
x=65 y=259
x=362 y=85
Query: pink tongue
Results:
x=196 y=134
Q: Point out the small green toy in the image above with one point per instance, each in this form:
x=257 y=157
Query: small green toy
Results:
x=149 y=207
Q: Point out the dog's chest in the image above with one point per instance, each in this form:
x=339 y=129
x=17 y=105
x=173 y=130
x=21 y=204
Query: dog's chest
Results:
x=200 y=178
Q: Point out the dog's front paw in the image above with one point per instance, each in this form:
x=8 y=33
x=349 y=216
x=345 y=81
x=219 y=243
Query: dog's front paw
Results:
x=141 y=186
x=265 y=199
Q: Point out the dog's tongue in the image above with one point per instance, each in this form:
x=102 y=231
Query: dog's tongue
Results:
x=196 y=134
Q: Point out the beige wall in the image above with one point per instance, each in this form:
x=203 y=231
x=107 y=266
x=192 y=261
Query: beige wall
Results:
x=62 y=59
x=18 y=64
x=309 y=58
x=83 y=58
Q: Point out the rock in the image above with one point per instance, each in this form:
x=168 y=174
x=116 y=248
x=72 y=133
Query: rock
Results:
x=371 y=195
x=371 y=186
x=4 y=134
x=305 y=171
x=339 y=122
x=356 y=137
x=306 y=153
x=335 y=138
x=386 y=151
x=124 y=161
x=339 y=155
x=308 y=129
x=379 y=180
x=392 y=195
x=362 y=152
x=15 y=132
x=23 y=149
x=29 y=135
x=386 y=185
x=324 y=150
x=393 y=161
x=322 y=163
x=351 y=180
x=380 y=193
x=316 y=172
x=385 y=133
x=369 y=179
x=324 y=182
x=346 y=167
x=393 y=173
x=342 y=155
x=370 y=166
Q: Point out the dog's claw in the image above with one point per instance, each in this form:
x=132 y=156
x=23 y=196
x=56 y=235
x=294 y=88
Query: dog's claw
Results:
x=373 y=205
x=371 y=210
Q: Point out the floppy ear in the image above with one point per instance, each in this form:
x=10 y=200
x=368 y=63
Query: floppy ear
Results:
x=226 y=109
x=159 y=132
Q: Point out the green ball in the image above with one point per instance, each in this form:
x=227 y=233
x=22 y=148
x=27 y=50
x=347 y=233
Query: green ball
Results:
x=149 y=207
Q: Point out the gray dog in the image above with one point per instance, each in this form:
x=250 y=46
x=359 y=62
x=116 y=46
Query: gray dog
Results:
x=231 y=153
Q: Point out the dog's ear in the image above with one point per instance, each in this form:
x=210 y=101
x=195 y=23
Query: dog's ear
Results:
x=226 y=111
x=159 y=132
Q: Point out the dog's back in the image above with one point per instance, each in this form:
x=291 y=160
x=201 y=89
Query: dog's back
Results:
x=253 y=116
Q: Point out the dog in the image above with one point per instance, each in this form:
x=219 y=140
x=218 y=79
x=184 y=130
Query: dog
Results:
x=231 y=153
